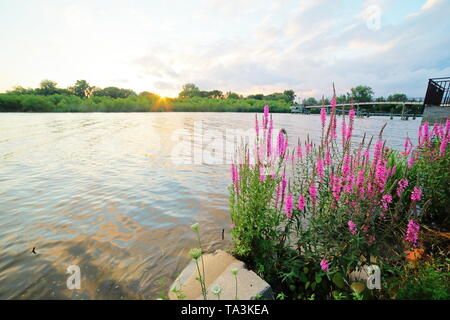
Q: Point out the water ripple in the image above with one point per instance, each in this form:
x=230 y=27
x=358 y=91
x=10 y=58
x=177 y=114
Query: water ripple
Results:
x=102 y=191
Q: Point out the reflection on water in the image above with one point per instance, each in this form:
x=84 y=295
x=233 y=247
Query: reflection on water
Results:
x=104 y=192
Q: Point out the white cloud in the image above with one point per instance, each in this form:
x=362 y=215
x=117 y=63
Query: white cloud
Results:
x=312 y=52
x=430 y=3
x=251 y=46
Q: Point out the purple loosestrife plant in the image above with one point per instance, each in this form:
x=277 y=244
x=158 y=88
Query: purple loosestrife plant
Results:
x=412 y=233
x=352 y=200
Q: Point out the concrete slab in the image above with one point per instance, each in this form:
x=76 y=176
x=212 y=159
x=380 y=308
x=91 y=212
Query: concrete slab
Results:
x=218 y=268
x=435 y=114
x=249 y=285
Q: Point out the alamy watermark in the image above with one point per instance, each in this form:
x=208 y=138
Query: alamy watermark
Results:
x=373 y=17
x=374 y=279
x=74 y=280
x=211 y=146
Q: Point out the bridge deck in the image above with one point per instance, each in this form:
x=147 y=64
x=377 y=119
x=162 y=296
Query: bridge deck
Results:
x=408 y=103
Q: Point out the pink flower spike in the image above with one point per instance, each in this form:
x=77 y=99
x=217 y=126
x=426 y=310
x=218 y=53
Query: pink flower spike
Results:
x=278 y=193
x=412 y=233
x=327 y=158
x=333 y=101
x=426 y=134
x=299 y=151
x=269 y=140
x=301 y=203
x=235 y=177
x=319 y=167
x=346 y=166
x=385 y=200
x=402 y=184
x=281 y=189
x=288 y=206
x=262 y=177
x=266 y=116
x=420 y=135
x=313 y=193
x=352 y=227
x=343 y=130
x=333 y=127
x=308 y=148
x=351 y=116
x=360 y=179
x=323 y=116
x=324 y=265
x=281 y=144
x=416 y=195
x=443 y=145
x=410 y=161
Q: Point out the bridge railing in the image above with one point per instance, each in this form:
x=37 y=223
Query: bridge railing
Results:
x=356 y=104
x=438 y=92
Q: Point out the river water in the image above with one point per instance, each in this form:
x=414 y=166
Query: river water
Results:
x=116 y=193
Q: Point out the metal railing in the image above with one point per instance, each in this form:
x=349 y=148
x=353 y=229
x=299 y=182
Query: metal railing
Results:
x=438 y=92
x=356 y=104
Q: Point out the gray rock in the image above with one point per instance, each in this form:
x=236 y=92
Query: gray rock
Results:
x=218 y=268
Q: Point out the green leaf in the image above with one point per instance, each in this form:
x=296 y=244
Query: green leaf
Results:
x=338 y=280
x=303 y=277
x=318 y=278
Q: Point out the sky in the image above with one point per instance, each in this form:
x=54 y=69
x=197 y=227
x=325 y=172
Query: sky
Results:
x=244 y=46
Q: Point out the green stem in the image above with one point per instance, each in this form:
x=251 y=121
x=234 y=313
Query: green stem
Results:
x=203 y=264
x=202 y=285
x=236 y=296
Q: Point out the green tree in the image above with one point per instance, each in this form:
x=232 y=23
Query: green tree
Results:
x=114 y=92
x=149 y=95
x=397 y=97
x=216 y=94
x=47 y=87
x=81 y=89
x=277 y=96
x=342 y=99
x=231 y=95
x=21 y=90
x=189 y=90
x=258 y=96
x=310 y=102
x=290 y=94
x=361 y=94
x=36 y=104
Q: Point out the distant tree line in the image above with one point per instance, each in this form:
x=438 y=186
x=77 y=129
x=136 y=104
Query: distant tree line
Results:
x=83 y=97
x=81 y=89
x=190 y=90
